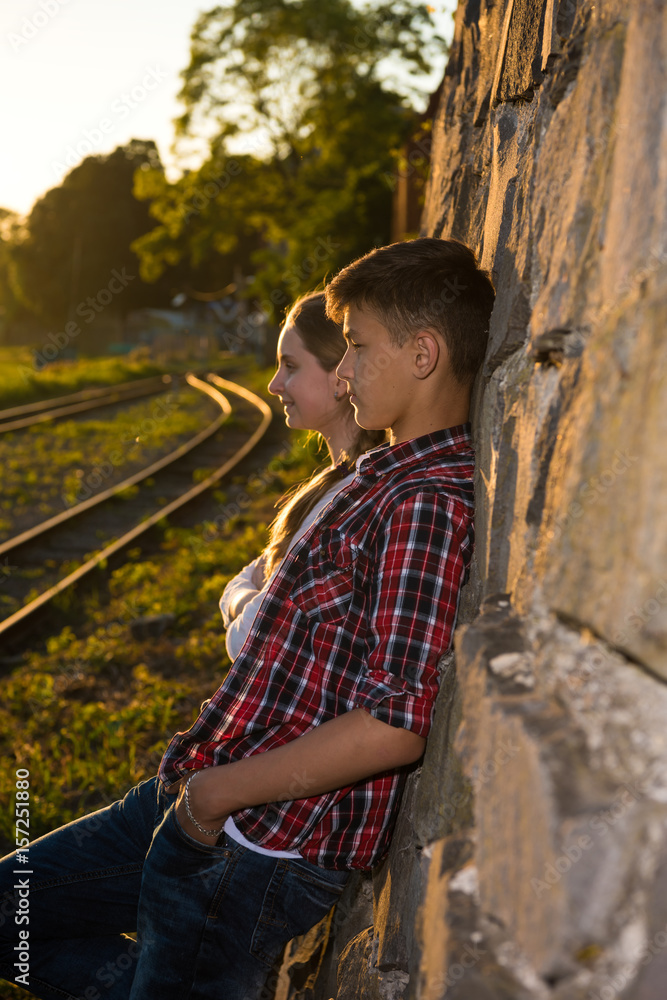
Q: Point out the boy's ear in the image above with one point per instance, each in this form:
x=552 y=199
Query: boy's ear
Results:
x=426 y=352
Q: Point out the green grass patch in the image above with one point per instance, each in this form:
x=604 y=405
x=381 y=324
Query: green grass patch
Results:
x=20 y=382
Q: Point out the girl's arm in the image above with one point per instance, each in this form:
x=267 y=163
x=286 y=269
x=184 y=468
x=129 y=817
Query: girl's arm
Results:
x=240 y=589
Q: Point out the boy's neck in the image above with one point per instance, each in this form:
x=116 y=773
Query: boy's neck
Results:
x=428 y=420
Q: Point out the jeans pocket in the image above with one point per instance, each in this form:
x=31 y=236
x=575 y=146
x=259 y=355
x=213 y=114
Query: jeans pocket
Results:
x=185 y=838
x=297 y=897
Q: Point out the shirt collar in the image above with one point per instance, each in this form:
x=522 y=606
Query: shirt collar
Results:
x=453 y=440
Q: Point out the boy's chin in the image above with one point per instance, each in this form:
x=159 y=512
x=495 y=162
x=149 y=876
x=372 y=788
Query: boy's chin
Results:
x=365 y=420
x=367 y=423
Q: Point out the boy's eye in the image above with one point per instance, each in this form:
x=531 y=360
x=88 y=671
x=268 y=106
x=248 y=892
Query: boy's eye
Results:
x=355 y=347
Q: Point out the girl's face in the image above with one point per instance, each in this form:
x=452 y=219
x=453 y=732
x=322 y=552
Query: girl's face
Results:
x=306 y=390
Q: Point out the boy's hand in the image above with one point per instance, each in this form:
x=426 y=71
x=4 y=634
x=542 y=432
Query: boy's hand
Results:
x=331 y=756
x=201 y=806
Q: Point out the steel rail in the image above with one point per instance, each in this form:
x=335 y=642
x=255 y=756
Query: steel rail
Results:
x=67 y=515
x=110 y=395
x=29 y=609
x=82 y=394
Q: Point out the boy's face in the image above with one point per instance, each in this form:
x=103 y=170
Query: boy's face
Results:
x=379 y=375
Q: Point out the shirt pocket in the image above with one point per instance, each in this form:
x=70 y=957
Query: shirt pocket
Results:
x=324 y=589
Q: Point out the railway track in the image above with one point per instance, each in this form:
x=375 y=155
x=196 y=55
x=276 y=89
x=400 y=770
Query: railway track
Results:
x=20 y=417
x=71 y=537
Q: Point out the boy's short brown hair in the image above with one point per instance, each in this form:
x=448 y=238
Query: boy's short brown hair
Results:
x=422 y=284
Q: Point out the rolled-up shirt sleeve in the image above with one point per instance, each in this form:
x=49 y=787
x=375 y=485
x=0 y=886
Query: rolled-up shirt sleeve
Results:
x=415 y=584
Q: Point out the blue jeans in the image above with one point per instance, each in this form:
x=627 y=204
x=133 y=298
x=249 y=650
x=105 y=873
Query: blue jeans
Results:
x=210 y=921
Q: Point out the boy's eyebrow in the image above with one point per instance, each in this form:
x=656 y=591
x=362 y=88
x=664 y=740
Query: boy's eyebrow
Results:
x=347 y=334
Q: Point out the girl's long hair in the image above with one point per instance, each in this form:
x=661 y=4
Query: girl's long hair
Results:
x=322 y=337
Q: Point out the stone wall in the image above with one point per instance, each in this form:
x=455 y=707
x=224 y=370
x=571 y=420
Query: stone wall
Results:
x=530 y=861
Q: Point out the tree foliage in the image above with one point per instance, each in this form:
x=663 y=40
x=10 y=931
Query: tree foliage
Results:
x=273 y=69
x=303 y=125
x=11 y=308
x=79 y=232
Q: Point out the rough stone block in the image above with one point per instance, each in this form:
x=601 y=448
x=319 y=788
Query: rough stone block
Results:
x=604 y=512
x=519 y=69
x=356 y=975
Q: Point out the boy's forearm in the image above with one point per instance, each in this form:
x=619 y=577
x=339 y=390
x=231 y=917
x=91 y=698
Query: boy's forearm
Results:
x=338 y=753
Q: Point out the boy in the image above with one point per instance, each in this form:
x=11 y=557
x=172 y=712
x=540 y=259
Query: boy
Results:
x=307 y=741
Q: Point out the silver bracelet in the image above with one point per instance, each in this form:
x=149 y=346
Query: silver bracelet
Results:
x=207 y=833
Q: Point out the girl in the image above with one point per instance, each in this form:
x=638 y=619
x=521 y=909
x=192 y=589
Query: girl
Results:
x=314 y=398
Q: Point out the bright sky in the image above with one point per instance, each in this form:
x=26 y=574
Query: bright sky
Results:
x=84 y=76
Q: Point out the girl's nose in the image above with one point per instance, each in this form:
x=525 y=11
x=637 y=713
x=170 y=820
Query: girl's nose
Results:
x=276 y=384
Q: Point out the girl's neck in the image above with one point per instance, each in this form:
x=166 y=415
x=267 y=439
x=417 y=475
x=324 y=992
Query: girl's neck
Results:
x=341 y=439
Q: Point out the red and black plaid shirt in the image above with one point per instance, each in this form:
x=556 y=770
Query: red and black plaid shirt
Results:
x=356 y=617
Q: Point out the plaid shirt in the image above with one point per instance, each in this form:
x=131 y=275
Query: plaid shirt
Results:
x=357 y=617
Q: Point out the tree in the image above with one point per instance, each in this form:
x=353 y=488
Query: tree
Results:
x=266 y=67
x=203 y=227
x=11 y=309
x=79 y=233
x=303 y=127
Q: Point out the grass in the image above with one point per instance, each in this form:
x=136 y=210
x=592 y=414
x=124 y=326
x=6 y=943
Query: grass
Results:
x=21 y=383
x=51 y=467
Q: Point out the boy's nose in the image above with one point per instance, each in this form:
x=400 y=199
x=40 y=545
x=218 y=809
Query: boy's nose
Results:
x=344 y=370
